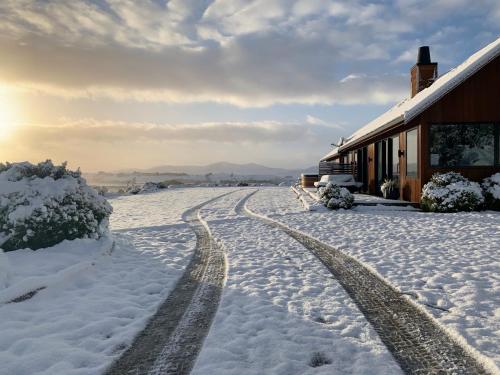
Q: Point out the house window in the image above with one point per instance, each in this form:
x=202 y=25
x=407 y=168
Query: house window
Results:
x=412 y=153
x=381 y=165
x=395 y=157
x=462 y=145
x=497 y=144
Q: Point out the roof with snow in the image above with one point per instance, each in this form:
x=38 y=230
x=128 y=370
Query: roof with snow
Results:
x=408 y=109
x=331 y=154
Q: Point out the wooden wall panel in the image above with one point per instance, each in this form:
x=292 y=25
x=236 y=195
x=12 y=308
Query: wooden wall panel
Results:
x=475 y=100
x=371 y=169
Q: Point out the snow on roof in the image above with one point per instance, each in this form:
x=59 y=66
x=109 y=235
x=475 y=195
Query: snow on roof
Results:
x=409 y=108
x=331 y=154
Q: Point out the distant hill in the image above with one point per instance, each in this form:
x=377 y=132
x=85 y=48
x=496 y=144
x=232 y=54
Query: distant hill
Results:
x=220 y=168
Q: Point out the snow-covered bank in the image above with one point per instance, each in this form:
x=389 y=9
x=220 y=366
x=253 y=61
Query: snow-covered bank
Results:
x=448 y=262
x=280 y=306
x=95 y=300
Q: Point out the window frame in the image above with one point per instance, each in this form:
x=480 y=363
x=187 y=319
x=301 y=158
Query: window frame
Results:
x=496 y=144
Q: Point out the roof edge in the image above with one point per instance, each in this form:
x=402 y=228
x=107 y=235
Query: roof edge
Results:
x=410 y=115
x=384 y=127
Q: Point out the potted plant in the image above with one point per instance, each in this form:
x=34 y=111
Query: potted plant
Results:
x=390 y=189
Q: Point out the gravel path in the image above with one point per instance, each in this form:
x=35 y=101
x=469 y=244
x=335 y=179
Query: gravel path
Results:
x=415 y=340
x=173 y=338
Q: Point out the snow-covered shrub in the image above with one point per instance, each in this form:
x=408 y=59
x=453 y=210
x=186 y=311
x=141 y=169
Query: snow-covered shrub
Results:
x=151 y=187
x=334 y=196
x=491 y=189
x=42 y=205
x=451 y=192
x=134 y=190
x=102 y=190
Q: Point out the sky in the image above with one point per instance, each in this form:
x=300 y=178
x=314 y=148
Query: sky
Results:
x=120 y=84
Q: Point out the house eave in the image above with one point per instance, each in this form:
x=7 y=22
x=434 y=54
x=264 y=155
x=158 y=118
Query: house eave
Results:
x=394 y=122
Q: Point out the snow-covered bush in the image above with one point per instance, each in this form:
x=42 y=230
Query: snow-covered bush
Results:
x=42 y=205
x=491 y=189
x=451 y=192
x=151 y=187
x=102 y=190
x=334 y=196
x=132 y=188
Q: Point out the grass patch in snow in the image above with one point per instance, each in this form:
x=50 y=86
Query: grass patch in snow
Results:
x=319 y=359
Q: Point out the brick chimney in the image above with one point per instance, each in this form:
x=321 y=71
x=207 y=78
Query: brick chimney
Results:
x=424 y=72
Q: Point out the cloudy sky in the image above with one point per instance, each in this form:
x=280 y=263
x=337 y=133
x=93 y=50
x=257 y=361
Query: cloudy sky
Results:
x=111 y=84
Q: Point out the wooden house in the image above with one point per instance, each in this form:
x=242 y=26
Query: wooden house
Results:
x=450 y=123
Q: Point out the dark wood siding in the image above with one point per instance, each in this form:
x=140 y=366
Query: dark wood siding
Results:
x=475 y=100
x=371 y=169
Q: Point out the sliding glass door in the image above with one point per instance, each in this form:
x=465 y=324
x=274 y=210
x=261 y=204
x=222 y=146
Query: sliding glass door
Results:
x=386 y=161
x=394 y=158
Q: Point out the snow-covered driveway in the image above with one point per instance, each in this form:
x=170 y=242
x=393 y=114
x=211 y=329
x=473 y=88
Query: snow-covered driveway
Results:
x=449 y=262
x=280 y=306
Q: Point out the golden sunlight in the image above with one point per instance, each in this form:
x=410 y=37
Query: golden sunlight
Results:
x=7 y=113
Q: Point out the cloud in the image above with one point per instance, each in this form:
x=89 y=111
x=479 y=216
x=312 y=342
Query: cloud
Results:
x=107 y=145
x=312 y=120
x=112 y=132
x=258 y=70
x=246 y=53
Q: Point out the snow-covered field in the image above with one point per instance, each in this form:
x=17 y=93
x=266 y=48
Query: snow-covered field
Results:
x=97 y=298
x=280 y=305
x=450 y=263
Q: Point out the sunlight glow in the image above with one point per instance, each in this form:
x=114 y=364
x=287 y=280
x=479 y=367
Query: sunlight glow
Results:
x=7 y=117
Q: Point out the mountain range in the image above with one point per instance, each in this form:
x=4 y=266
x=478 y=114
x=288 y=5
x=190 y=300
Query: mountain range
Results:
x=250 y=169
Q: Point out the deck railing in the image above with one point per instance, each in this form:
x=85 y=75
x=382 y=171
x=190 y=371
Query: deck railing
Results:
x=330 y=167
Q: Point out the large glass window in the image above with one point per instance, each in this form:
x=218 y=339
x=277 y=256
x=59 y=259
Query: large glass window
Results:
x=412 y=153
x=395 y=156
x=497 y=144
x=462 y=145
x=379 y=152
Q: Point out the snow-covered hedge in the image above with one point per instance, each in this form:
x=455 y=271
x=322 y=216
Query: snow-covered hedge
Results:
x=491 y=189
x=451 y=192
x=334 y=196
x=42 y=205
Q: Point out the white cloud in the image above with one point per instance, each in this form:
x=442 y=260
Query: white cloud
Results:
x=245 y=73
x=90 y=130
x=247 y=53
x=105 y=145
x=312 y=120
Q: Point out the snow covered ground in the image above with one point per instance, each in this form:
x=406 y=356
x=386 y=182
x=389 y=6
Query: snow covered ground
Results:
x=280 y=306
x=96 y=297
x=448 y=262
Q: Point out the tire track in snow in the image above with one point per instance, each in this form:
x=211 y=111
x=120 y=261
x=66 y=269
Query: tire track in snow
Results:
x=416 y=341
x=174 y=336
